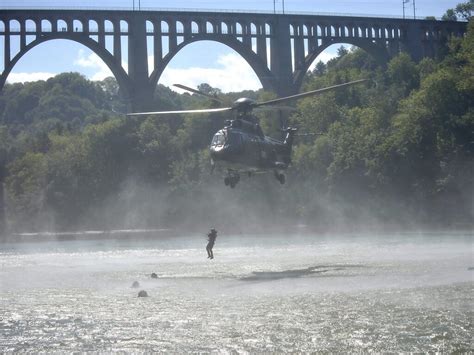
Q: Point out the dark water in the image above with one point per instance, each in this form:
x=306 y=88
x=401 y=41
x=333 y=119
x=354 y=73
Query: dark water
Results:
x=265 y=293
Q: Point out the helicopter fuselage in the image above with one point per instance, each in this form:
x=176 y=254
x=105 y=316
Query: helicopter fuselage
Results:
x=241 y=147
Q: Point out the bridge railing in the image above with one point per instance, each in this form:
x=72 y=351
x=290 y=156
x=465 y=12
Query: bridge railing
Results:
x=267 y=12
x=28 y=30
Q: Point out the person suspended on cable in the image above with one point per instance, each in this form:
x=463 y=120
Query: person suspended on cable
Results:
x=211 y=237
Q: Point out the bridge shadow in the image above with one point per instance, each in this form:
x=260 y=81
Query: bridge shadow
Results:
x=297 y=273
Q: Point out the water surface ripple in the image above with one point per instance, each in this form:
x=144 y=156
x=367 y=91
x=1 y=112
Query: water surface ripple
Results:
x=260 y=294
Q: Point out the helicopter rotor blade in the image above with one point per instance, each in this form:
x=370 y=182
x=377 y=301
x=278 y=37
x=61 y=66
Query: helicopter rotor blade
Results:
x=222 y=109
x=183 y=87
x=259 y=105
x=307 y=134
x=275 y=108
x=309 y=93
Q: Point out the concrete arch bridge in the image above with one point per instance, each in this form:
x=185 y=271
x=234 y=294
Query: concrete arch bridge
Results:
x=279 y=48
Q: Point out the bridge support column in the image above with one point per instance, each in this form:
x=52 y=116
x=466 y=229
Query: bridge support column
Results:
x=140 y=90
x=281 y=65
x=413 y=41
x=6 y=46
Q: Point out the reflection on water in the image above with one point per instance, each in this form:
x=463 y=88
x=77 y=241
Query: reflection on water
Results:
x=346 y=293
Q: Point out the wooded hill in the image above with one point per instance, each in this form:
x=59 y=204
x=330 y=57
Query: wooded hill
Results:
x=400 y=152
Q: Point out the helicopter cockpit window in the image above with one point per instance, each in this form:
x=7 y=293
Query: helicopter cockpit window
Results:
x=218 y=139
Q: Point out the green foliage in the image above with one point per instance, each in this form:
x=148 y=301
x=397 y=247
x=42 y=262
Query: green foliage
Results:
x=403 y=72
x=157 y=149
x=464 y=61
x=450 y=15
x=272 y=121
x=191 y=171
x=463 y=11
x=320 y=68
x=400 y=145
x=426 y=66
x=25 y=183
x=342 y=51
x=5 y=151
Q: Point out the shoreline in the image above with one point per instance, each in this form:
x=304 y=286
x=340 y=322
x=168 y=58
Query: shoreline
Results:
x=164 y=233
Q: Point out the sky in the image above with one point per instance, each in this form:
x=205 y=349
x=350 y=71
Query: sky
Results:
x=212 y=63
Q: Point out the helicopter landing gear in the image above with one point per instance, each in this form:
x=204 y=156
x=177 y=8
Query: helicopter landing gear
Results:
x=231 y=180
x=280 y=177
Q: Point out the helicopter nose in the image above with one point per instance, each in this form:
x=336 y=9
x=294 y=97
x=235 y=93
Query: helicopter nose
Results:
x=217 y=153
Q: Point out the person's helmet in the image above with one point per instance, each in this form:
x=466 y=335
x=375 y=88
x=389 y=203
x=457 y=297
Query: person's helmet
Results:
x=213 y=230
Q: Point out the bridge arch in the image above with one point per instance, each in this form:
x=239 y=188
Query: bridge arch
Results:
x=62 y=25
x=46 y=26
x=78 y=25
x=14 y=24
x=93 y=26
x=118 y=71
x=224 y=28
x=378 y=52
x=30 y=25
x=109 y=26
x=256 y=63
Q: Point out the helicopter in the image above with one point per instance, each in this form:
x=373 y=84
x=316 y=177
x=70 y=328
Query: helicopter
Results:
x=241 y=147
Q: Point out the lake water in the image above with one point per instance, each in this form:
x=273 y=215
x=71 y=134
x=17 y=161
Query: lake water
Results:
x=261 y=293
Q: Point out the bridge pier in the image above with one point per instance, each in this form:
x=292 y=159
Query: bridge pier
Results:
x=140 y=91
x=281 y=61
x=413 y=40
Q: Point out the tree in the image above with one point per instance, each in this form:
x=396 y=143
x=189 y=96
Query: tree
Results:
x=342 y=51
x=26 y=184
x=157 y=150
x=465 y=10
x=450 y=15
x=462 y=10
x=320 y=68
x=208 y=89
x=5 y=147
x=403 y=71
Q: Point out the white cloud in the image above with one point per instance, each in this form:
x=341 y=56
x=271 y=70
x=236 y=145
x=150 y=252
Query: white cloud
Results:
x=25 y=77
x=232 y=74
x=93 y=61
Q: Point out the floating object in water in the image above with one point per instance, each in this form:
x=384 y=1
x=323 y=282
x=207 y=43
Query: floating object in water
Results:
x=136 y=284
x=154 y=276
x=142 y=293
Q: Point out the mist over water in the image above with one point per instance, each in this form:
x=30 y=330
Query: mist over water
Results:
x=274 y=293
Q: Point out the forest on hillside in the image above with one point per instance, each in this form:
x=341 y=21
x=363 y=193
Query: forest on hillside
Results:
x=398 y=153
